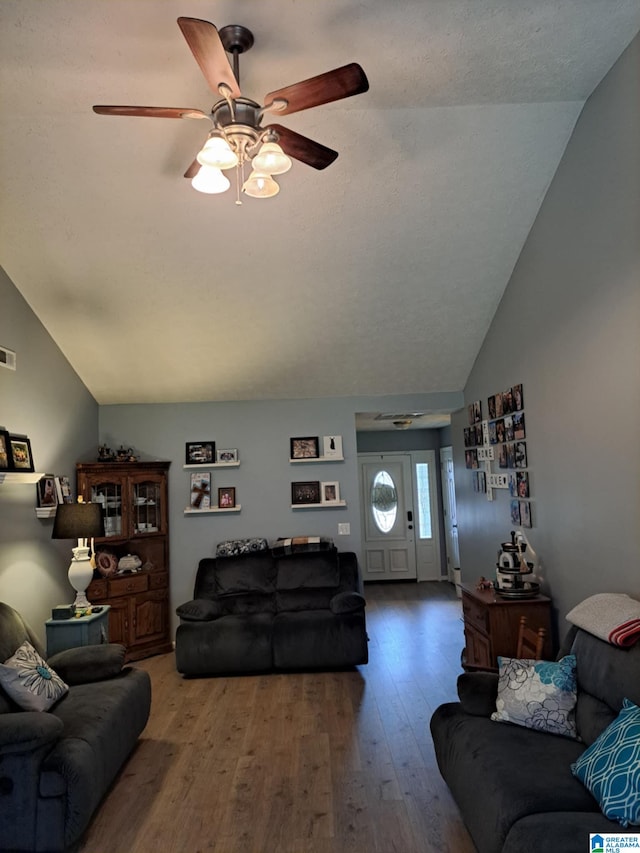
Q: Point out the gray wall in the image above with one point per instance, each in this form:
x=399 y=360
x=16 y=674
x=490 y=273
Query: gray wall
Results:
x=568 y=328
x=45 y=400
x=261 y=431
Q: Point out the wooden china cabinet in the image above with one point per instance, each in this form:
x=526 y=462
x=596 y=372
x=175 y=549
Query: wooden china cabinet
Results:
x=134 y=499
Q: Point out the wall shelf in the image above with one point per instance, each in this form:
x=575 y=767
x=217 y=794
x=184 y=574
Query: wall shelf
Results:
x=46 y=511
x=212 y=509
x=212 y=465
x=317 y=459
x=20 y=477
x=326 y=505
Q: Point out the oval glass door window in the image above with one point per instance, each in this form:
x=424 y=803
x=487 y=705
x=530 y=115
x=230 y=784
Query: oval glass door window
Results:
x=384 y=501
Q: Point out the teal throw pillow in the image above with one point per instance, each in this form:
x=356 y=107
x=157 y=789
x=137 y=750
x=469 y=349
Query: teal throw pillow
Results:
x=610 y=767
x=538 y=694
x=29 y=681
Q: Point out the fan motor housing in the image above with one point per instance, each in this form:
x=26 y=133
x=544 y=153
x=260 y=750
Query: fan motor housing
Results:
x=240 y=126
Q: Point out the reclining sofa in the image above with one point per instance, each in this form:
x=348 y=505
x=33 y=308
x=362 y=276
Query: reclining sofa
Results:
x=57 y=764
x=257 y=609
x=514 y=785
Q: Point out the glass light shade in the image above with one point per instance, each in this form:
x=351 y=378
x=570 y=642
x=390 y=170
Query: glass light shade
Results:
x=260 y=185
x=210 y=180
x=271 y=159
x=217 y=152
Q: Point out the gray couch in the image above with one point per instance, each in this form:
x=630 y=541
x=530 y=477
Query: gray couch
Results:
x=263 y=611
x=56 y=765
x=513 y=785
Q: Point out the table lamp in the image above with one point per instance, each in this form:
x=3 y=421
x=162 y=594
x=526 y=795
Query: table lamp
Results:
x=81 y=521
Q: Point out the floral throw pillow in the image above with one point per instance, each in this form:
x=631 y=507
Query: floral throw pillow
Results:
x=29 y=681
x=538 y=694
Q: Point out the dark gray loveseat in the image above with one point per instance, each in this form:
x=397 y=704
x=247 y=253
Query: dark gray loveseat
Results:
x=56 y=765
x=514 y=785
x=267 y=610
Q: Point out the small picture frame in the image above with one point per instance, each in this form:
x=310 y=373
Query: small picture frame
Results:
x=63 y=490
x=21 y=457
x=519 y=432
x=47 y=492
x=518 y=398
x=201 y=491
x=306 y=447
x=522 y=479
x=525 y=514
x=515 y=512
x=520 y=454
x=226 y=497
x=330 y=492
x=6 y=462
x=332 y=446
x=227 y=455
x=200 y=453
x=307 y=492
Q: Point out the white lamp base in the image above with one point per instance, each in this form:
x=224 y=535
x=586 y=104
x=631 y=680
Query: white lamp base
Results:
x=80 y=576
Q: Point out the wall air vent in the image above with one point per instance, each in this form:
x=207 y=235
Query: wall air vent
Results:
x=7 y=358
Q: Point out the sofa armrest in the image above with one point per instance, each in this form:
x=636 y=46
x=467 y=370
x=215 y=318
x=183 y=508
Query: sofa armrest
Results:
x=25 y=731
x=347 y=602
x=199 y=610
x=478 y=692
x=85 y=664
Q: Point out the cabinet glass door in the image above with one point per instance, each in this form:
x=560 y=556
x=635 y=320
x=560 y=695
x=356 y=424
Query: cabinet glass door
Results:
x=147 y=507
x=109 y=496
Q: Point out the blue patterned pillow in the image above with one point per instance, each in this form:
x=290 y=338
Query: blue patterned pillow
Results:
x=610 y=767
x=30 y=682
x=538 y=694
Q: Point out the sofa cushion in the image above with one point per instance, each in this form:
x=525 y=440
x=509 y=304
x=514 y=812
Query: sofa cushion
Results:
x=347 y=602
x=569 y=830
x=245 y=573
x=234 y=547
x=308 y=571
x=29 y=681
x=84 y=664
x=303 y=599
x=537 y=694
x=610 y=767
x=246 y=603
x=302 y=545
x=499 y=773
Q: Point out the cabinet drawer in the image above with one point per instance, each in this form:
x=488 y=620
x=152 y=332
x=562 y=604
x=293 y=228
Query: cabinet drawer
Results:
x=97 y=590
x=158 y=580
x=475 y=614
x=129 y=585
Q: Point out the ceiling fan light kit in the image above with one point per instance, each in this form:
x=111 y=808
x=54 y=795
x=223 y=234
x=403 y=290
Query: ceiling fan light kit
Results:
x=238 y=135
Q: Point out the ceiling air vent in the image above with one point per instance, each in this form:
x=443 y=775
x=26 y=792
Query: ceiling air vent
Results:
x=7 y=358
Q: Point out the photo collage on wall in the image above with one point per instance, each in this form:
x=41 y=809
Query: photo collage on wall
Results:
x=506 y=433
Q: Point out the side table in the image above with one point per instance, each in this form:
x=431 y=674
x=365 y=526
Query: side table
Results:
x=84 y=631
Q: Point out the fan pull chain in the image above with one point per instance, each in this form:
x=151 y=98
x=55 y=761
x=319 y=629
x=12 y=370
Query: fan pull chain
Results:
x=238 y=176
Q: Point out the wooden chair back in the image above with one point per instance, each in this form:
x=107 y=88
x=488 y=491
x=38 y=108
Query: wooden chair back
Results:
x=530 y=642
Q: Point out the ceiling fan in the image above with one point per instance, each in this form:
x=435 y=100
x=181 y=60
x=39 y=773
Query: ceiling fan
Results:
x=237 y=133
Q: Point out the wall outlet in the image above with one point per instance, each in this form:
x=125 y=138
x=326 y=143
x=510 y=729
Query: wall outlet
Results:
x=344 y=529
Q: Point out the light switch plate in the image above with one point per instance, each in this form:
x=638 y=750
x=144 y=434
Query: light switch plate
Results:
x=344 y=529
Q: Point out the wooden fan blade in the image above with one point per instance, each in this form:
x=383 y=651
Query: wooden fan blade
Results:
x=301 y=148
x=151 y=112
x=193 y=170
x=204 y=41
x=330 y=86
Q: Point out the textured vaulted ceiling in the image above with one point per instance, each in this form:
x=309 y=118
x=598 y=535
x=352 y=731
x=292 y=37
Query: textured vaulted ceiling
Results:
x=377 y=276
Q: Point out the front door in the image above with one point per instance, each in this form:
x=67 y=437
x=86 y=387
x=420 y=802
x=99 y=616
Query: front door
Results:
x=389 y=547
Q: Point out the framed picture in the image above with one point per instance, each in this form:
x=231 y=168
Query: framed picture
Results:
x=525 y=514
x=522 y=479
x=332 y=446
x=521 y=454
x=6 y=461
x=305 y=448
x=21 y=457
x=330 y=492
x=200 y=453
x=47 y=494
x=518 y=426
x=513 y=485
x=63 y=490
x=518 y=398
x=226 y=497
x=305 y=493
x=515 y=512
x=230 y=454
x=201 y=491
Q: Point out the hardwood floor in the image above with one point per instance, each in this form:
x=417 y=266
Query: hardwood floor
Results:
x=336 y=762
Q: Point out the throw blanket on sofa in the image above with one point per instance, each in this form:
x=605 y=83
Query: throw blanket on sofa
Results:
x=301 y=545
x=614 y=617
